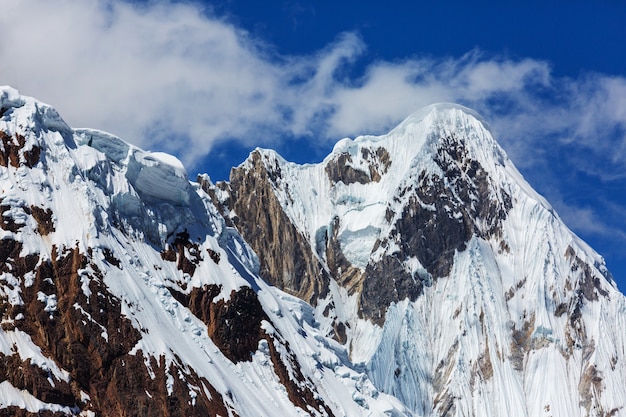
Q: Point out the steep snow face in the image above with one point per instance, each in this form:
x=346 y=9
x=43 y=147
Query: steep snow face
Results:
x=123 y=288
x=451 y=280
x=363 y=179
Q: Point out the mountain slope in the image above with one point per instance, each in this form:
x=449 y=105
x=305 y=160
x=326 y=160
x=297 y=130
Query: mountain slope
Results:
x=446 y=276
x=124 y=292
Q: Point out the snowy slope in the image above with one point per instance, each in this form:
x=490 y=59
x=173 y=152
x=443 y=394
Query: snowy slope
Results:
x=453 y=283
x=123 y=291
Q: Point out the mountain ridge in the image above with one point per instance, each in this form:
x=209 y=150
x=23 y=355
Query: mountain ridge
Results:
x=118 y=301
x=425 y=280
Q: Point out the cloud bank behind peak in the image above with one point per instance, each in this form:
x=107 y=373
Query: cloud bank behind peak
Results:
x=175 y=77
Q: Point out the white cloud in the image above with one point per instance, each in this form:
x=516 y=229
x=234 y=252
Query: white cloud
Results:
x=174 y=77
x=587 y=221
x=146 y=73
x=390 y=91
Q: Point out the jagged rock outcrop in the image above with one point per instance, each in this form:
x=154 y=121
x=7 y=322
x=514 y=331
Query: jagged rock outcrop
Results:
x=440 y=211
x=288 y=262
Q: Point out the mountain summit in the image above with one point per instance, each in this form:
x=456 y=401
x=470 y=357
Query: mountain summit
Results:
x=443 y=272
x=414 y=273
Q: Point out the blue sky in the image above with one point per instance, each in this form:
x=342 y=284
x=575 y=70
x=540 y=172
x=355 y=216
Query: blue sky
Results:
x=209 y=81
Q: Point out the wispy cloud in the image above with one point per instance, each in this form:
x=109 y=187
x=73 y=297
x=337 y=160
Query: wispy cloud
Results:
x=172 y=76
x=586 y=220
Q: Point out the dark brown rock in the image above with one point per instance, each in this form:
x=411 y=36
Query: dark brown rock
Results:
x=441 y=215
x=339 y=170
x=386 y=282
x=118 y=383
x=341 y=269
x=45 y=225
x=131 y=391
x=286 y=257
x=19 y=412
x=6 y=221
x=185 y=253
x=301 y=391
x=13 y=152
x=11 y=261
x=25 y=376
x=110 y=258
x=215 y=256
x=234 y=325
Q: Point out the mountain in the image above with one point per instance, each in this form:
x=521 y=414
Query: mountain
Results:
x=124 y=292
x=410 y=274
x=446 y=276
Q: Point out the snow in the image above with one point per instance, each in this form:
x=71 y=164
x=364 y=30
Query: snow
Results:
x=20 y=343
x=357 y=245
x=50 y=302
x=107 y=194
x=10 y=97
x=170 y=160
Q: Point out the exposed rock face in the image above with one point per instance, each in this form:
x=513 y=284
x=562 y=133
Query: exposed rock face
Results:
x=287 y=260
x=13 y=151
x=123 y=292
x=300 y=389
x=234 y=326
x=45 y=224
x=442 y=242
x=88 y=337
x=346 y=274
x=92 y=340
x=185 y=253
x=386 y=282
x=14 y=411
x=459 y=204
x=340 y=168
x=441 y=214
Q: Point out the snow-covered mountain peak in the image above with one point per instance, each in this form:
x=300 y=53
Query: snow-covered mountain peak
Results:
x=10 y=97
x=420 y=255
x=30 y=113
x=423 y=127
x=426 y=249
x=441 y=111
x=364 y=182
